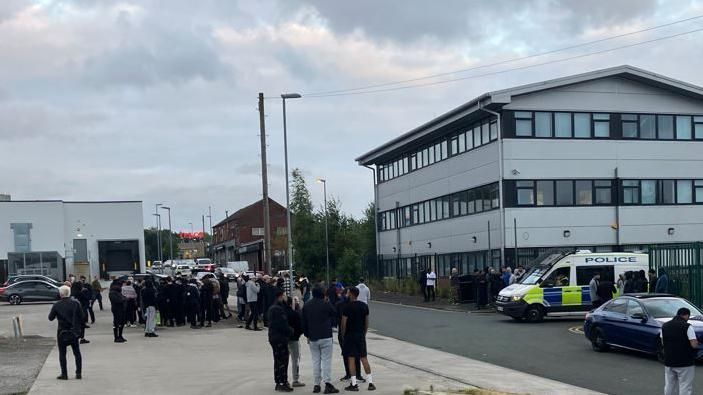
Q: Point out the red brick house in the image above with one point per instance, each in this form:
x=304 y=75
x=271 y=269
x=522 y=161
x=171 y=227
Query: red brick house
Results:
x=240 y=237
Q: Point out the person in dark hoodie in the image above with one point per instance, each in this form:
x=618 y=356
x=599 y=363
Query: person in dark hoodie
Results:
x=88 y=293
x=83 y=299
x=318 y=316
x=148 y=298
x=171 y=302
x=662 y=282
x=292 y=308
x=70 y=316
x=269 y=293
x=605 y=290
x=225 y=312
x=192 y=303
x=117 y=302
x=162 y=302
x=279 y=332
x=206 y=302
x=178 y=295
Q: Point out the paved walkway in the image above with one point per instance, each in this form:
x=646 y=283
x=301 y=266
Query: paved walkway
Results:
x=225 y=359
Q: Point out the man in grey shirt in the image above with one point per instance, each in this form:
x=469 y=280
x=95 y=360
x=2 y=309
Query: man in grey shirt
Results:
x=593 y=290
x=252 y=287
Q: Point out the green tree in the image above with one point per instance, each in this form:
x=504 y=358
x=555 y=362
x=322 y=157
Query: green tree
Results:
x=151 y=245
x=349 y=267
x=308 y=245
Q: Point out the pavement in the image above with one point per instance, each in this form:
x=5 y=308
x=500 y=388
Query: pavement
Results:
x=555 y=348
x=225 y=359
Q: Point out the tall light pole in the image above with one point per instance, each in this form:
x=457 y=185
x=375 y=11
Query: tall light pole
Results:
x=191 y=228
x=285 y=96
x=158 y=238
x=327 y=237
x=170 y=234
x=158 y=230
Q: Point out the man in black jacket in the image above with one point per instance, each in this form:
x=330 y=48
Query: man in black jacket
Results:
x=318 y=316
x=70 y=316
x=340 y=306
x=279 y=335
x=224 y=295
x=680 y=346
x=148 y=301
x=192 y=303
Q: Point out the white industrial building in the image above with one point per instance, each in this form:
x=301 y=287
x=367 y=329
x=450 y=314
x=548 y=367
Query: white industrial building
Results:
x=608 y=160
x=55 y=238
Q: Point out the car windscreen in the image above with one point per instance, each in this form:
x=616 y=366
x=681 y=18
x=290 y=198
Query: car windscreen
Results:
x=542 y=266
x=667 y=307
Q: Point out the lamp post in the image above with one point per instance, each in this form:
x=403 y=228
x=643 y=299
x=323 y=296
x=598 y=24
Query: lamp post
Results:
x=170 y=233
x=285 y=96
x=327 y=238
x=191 y=227
x=158 y=237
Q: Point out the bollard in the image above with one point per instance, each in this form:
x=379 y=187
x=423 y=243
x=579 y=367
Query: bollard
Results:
x=17 y=326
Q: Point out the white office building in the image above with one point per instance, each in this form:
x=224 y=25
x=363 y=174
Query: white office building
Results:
x=55 y=238
x=607 y=160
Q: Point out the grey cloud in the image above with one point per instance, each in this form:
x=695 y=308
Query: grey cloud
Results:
x=23 y=121
x=8 y=8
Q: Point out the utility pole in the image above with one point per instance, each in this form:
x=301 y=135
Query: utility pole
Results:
x=204 y=244
x=209 y=216
x=265 y=187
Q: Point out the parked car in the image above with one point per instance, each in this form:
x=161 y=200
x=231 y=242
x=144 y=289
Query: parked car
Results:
x=200 y=275
x=634 y=322
x=28 y=277
x=238 y=266
x=30 y=291
x=207 y=267
x=182 y=270
x=229 y=273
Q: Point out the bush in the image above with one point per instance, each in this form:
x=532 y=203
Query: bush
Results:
x=443 y=292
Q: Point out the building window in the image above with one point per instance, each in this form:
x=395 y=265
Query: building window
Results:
x=545 y=193
x=649 y=191
x=604 y=191
x=683 y=127
x=684 y=192
x=469 y=139
x=698 y=127
x=523 y=123
x=698 y=184
x=562 y=125
x=648 y=130
x=543 y=124
x=257 y=231
x=668 y=191
x=477 y=136
x=582 y=125
x=601 y=125
x=631 y=192
x=629 y=126
x=565 y=193
x=584 y=192
x=525 y=193
x=494 y=130
x=665 y=127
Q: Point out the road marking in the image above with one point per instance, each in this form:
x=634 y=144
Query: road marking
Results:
x=576 y=330
x=417 y=307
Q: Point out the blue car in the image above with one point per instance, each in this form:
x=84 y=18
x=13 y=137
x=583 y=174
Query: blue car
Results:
x=634 y=322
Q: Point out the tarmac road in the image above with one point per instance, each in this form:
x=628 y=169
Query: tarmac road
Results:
x=548 y=349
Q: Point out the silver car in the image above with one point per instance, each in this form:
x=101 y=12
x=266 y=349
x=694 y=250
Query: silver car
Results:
x=30 y=291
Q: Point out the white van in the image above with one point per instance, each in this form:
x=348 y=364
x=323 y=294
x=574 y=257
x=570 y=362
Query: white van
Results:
x=557 y=283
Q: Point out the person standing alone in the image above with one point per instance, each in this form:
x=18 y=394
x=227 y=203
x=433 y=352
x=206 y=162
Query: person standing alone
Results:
x=680 y=346
x=70 y=315
x=431 y=281
x=117 y=306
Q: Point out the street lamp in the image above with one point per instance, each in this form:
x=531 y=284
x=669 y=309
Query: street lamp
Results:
x=327 y=238
x=285 y=96
x=191 y=227
x=158 y=237
x=170 y=233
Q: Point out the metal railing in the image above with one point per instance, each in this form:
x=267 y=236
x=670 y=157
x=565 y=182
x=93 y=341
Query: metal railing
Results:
x=683 y=264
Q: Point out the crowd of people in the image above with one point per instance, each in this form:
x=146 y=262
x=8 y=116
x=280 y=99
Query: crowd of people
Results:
x=310 y=310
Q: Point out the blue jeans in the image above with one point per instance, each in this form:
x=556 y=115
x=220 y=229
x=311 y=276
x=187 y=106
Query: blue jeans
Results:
x=321 y=351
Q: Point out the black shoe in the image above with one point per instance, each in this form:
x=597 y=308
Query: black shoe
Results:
x=120 y=340
x=283 y=388
x=372 y=387
x=86 y=326
x=316 y=389
x=62 y=377
x=329 y=389
x=247 y=328
x=209 y=324
x=258 y=329
x=123 y=339
x=354 y=388
x=78 y=376
x=345 y=378
x=83 y=341
x=360 y=379
x=146 y=335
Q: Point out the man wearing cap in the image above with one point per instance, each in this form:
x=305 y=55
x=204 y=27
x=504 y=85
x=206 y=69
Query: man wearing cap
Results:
x=680 y=346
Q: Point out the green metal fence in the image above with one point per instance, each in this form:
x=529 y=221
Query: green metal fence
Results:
x=684 y=266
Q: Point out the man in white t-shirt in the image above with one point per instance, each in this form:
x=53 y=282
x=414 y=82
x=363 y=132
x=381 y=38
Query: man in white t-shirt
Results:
x=431 y=281
x=680 y=346
x=364 y=292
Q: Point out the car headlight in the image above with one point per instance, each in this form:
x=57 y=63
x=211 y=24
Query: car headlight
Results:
x=517 y=298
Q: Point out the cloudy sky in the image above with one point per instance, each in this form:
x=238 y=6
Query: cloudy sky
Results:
x=156 y=100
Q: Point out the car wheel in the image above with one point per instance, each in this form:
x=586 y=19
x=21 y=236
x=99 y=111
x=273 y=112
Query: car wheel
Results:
x=660 y=351
x=15 y=299
x=534 y=314
x=598 y=341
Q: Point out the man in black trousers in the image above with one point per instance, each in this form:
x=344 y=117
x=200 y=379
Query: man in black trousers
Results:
x=279 y=334
x=70 y=315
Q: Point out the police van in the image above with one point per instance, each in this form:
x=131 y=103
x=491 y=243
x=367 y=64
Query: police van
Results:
x=557 y=283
